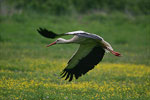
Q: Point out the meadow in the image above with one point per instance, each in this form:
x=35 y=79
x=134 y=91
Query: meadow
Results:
x=30 y=71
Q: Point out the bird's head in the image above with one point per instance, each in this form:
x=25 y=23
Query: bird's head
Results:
x=58 y=41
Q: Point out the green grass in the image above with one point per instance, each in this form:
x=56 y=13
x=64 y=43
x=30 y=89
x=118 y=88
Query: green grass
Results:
x=39 y=79
x=130 y=36
x=29 y=70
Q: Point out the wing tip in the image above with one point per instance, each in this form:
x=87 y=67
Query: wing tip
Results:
x=67 y=74
x=46 y=33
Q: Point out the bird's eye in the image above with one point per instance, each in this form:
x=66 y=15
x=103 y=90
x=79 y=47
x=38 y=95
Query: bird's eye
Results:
x=57 y=40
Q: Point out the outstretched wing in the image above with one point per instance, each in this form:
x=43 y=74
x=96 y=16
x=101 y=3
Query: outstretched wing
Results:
x=48 y=34
x=84 y=60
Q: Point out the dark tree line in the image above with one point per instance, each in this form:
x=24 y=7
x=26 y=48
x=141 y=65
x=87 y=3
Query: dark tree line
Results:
x=80 y=6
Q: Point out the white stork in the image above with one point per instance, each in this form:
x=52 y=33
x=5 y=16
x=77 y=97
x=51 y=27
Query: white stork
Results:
x=90 y=53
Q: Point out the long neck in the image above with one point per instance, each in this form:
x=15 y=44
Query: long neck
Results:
x=64 y=41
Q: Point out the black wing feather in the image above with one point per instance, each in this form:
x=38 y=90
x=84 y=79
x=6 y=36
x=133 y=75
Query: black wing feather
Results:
x=85 y=64
x=71 y=77
x=49 y=34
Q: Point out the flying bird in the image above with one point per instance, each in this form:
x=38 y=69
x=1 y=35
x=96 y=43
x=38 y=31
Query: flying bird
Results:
x=90 y=52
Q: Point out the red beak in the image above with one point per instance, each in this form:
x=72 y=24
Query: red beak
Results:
x=116 y=53
x=51 y=44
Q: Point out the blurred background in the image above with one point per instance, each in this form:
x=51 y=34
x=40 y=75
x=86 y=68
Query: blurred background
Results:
x=29 y=70
x=123 y=23
x=67 y=7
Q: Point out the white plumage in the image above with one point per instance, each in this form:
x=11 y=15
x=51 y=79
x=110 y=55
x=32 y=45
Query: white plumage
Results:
x=90 y=53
